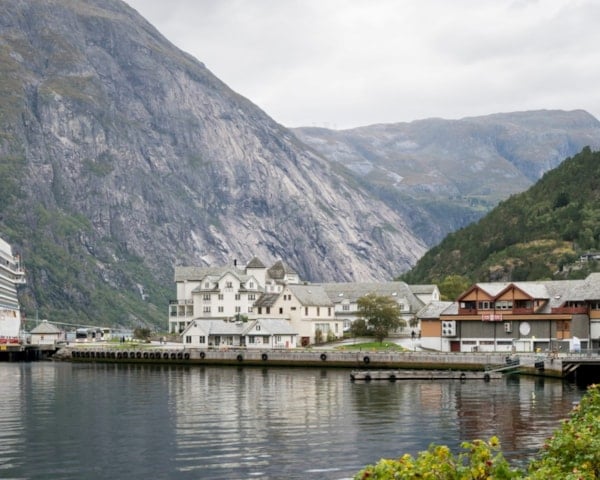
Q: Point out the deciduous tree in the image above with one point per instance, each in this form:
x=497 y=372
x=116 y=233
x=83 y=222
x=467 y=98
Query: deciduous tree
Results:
x=381 y=313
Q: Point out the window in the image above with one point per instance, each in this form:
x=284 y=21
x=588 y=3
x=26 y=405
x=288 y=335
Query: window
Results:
x=268 y=310
x=188 y=339
x=202 y=339
x=292 y=308
x=265 y=340
x=258 y=328
x=318 y=311
x=346 y=308
x=250 y=284
x=329 y=311
x=238 y=309
x=206 y=284
x=206 y=309
x=221 y=296
x=485 y=305
x=206 y=296
x=306 y=311
x=250 y=339
x=401 y=306
x=221 y=309
x=280 y=310
x=228 y=284
x=251 y=296
x=238 y=296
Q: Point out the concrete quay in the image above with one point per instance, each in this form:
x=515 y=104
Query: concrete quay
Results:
x=537 y=364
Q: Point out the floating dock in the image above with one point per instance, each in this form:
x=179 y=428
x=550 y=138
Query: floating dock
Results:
x=393 y=375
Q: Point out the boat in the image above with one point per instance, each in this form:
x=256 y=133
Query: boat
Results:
x=393 y=375
x=11 y=275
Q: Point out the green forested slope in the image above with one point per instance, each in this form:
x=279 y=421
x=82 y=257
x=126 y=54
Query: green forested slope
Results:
x=538 y=234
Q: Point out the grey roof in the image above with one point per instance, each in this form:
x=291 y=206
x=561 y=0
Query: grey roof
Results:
x=338 y=292
x=423 y=289
x=271 y=326
x=279 y=270
x=266 y=300
x=255 y=263
x=218 y=327
x=46 y=328
x=311 y=295
x=588 y=289
x=433 y=309
x=199 y=273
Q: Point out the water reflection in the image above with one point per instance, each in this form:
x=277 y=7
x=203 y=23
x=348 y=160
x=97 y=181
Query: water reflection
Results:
x=68 y=421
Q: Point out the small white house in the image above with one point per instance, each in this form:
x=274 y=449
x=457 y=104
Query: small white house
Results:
x=262 y=333
x=47 y=334
x=270 y=333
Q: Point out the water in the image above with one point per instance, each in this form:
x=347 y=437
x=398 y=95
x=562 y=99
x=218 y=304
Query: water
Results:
x=95 y=421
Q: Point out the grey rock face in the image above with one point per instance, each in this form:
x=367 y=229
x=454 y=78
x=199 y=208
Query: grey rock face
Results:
x=151 y=157
x=451 y=172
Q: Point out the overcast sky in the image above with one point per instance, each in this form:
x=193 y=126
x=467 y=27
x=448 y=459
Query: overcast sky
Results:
x=347 y=63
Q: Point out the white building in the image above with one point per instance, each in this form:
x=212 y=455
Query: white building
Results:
x=410 y=299
x=255 y=334
x=11 y=275
x=308 y=309
x=47 y=334
x=224 y=293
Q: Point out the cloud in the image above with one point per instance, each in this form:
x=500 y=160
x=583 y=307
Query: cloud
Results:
x=346 y=63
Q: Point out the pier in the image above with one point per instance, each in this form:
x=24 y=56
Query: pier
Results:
x=560 y=366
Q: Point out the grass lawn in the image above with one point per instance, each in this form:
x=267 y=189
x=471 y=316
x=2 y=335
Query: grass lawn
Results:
x=373 y=346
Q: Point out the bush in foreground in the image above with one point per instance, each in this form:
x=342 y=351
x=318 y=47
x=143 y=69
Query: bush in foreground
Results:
x=572 y=453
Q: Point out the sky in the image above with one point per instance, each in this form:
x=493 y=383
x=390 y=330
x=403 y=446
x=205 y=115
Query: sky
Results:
x=346 y=63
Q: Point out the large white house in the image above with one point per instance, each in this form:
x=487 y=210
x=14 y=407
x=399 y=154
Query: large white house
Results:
x=224 y=293
x=308 y=309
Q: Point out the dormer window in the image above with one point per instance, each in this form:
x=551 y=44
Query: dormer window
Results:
x=206 y=284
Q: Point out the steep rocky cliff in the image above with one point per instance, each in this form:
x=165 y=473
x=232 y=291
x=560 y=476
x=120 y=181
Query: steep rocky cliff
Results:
x=121 y=156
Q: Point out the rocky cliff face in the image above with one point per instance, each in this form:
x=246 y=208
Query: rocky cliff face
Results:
x=445 y=174
x=122 y=156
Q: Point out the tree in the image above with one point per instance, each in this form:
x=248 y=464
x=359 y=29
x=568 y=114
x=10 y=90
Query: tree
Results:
x=452 y=286
x=381 y=313
x=359 y=328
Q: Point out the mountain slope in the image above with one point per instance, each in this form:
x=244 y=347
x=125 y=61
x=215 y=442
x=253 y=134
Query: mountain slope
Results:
x=121 y=156
x=538 y=234
x=445 y=174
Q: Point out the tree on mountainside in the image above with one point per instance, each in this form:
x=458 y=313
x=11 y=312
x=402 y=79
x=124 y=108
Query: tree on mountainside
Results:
x=381 y=313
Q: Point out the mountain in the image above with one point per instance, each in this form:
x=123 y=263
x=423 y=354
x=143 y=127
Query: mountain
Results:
x=122 y=156
x=445 y=174
x=539 y=234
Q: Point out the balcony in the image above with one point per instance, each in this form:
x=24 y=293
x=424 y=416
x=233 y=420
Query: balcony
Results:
x=571 y=310
x=467 y=311
x=181 y=302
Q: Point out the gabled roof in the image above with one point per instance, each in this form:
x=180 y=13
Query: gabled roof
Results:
x=255 y=263
x=216 y=327
x=279 y=270
x=425 y=289
x=433 y=309
x=271 y=326
x=199 y=273
x=339 y=292
x=311 y=295
x=46 y=328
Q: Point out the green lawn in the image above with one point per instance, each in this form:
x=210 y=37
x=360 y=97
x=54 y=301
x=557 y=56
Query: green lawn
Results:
x=373 y=346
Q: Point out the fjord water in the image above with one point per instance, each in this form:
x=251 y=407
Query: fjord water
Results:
x=100 y=421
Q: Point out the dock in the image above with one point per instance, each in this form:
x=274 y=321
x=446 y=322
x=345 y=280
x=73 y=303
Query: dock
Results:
x=394 y=375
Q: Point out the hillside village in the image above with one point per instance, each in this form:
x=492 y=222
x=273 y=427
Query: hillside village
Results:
x=262 y=307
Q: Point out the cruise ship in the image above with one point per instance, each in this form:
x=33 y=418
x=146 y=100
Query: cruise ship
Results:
x=11 y=275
